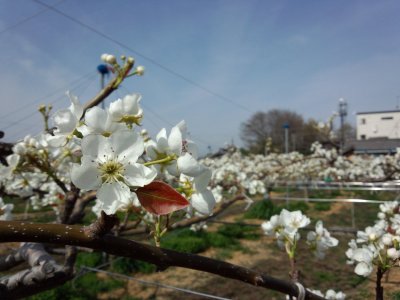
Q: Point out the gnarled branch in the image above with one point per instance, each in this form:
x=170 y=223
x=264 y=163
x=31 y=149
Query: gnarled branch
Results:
x=44 y=273
x=11 y=231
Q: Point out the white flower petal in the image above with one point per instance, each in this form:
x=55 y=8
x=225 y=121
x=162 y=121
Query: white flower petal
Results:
x=203 y=202
x=12 y=160
x=175 y=140
x=97 y=146
x=191 y=147
x=162 y=141
x=75 y=107
x=112 y=195
x=129 y=105
x=362 y=254
x=188 y=165
x=363 y=269
x=128 y=145
x=56 y=141
x=183 y=128
x=86 y=176
x=65 y=121
x=95 y=119
x=151 y=148
x=172 y=168
x=201 y=181
x=138 y=175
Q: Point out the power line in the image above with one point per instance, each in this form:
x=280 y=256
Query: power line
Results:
x=155 y=284
x=151 y=60
x=27 y=116
x=28 y=18
x=55 y=92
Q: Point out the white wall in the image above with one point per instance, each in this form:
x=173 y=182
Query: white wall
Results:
x=379 y=124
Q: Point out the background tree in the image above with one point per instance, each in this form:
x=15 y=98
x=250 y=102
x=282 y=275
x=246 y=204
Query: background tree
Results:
x=263 y=126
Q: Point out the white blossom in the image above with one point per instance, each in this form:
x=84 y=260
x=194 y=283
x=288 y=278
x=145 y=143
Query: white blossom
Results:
x=109 y=166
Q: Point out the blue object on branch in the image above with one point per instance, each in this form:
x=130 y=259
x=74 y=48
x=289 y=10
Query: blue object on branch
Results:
x=103 y=69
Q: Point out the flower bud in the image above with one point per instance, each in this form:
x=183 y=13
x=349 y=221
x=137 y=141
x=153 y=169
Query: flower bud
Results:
x=131 y=60
x=140 y=70
x=103 y=57
x=42 y=108
x=393 y=253
x=111 y=59
x=19 y=148
x=372 y=237
x=387 y=239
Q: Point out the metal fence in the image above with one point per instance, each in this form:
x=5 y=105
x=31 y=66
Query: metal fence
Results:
x=306 y=187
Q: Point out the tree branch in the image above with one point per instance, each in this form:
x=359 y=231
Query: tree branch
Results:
x=78 y=211
x=11 y=231
x=110 y=87
x=43 y=274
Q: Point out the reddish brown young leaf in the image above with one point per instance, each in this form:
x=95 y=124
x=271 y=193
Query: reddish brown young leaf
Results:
x=160 y=198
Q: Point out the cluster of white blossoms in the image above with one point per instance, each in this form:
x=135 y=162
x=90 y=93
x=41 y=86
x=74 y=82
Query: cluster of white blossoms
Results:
x=116 y=160
x=285 y=228
x=5 y=210
x=103 y=150
x=255 y=174
x=377 y=245
x=320 y=240
x=330 y=294
x=75 y=131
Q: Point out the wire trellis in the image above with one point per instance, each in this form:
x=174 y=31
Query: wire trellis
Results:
x=153 y=283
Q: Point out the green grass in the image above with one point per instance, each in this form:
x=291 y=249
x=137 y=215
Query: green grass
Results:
x=186 y=241
x=227 y=237
x=262 y=210
x=127 y=265
x=322 y=206
x=85 y=287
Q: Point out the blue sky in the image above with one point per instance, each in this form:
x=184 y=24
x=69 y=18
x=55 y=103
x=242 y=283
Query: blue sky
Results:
x=297 y=55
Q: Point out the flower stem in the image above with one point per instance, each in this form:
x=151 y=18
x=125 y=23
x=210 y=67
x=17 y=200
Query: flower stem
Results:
x=157 y=232
x=294 y=274
x=379 y=288
x=160 y=161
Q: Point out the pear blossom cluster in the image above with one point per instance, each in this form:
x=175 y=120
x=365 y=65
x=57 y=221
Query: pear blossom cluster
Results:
x=116 y=159
x=256 y=174
x=378 y=245
x=233 y=172
x=88 y=150
x=320 y=240
x=285 y=229
x=105 y=150
x=32 y=168
x=5 y=210
x=330 y=294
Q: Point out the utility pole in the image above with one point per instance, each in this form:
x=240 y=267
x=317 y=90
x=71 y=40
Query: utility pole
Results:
x=342 y=114
x=286 y=127
x=103 y=70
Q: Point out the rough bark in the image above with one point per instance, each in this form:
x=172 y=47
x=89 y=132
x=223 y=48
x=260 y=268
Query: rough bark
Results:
x=44 y=272
x=11 y=231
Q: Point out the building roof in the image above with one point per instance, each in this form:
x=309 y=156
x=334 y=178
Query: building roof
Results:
x=374 y=146
x=379 y=112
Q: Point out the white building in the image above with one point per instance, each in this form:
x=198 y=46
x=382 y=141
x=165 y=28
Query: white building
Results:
x=378 y=124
